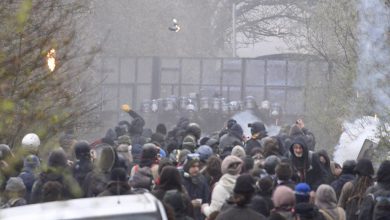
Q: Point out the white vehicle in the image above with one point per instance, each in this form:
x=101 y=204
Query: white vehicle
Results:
x=135 y=207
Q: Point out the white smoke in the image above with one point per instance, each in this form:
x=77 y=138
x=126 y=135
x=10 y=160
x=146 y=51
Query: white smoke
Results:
x=374 y=53
x=246 y=117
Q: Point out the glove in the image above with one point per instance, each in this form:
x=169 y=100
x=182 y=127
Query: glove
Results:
x=126 y=108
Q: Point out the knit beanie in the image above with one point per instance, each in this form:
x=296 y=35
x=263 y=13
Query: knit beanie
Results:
x=15 y=184
x=239 y=152
x=302 y=192
x=204 y=152
x=283 y=196
x=245 y=184
x=189 y=143
x=226 y=165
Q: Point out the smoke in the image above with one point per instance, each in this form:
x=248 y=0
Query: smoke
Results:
x=246 y=117
x=373 y=77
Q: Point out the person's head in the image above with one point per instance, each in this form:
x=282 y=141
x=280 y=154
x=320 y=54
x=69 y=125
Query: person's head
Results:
x=244 y=189
x=170 y=178
x=270 y=164
x=306 y=211
x=349 y=167
x=302 y=193
x=298 y=150
x=82 y=150
x=231 y=165
x=364 y=167
x=238 y=151
x=283 y=171
x=149 y=155
x=283 y=197
x=191 y=165
x=383 y=174
x=258 y=129
x=325 y=197
x=31 y=143
x=213 y=166
x=15 y=188
x=57 y=159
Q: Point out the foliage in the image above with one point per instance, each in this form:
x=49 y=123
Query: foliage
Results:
x=33 y=99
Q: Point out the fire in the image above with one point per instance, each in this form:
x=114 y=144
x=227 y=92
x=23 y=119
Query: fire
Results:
x=51 y=59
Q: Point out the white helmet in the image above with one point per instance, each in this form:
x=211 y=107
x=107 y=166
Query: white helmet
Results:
x=31 y=142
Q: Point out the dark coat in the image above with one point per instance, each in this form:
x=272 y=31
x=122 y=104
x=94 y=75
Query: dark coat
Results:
x=252 y=144
x=116 y=188
x=339 y=182
x=308 y=167
x=236 y=212
x=197 y=189
x=70 y=189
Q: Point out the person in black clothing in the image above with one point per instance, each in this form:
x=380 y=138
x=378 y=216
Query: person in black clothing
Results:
x=118 y=184
x=306 y=165
x=243 y=192
x=258 y=132
x=83 y=163
x=347 y=174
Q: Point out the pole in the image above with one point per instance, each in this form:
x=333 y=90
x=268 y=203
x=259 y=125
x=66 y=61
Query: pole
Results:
x=234 y=29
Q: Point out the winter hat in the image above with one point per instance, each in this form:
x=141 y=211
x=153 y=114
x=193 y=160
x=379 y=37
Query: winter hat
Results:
x=237 y=131
x=257 y=127
x=15 y=184
x=364 y=167
x=302 y=192
x=118 y=174
x=270 y=164
x=161 y=129
x=349 y=167
x=190 y=161
x=245 y=184
x=31 y=162
x=226 y=166
x=82 y=150
x=204 y=152
x=189 y=143
x=325 y=197
x=5 y=151
x=124 y=139
x=239 y=152
x=57 y=159
x=230 y=123
x=383 y=174
x=283 y=196
x=283 y=171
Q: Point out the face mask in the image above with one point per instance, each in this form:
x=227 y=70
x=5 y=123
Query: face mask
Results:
x=298 y=155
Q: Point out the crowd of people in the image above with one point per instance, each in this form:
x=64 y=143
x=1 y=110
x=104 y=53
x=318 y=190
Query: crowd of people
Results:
x=220 y=176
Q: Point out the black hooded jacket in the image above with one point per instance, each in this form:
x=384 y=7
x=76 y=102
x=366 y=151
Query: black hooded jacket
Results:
x=308 y=167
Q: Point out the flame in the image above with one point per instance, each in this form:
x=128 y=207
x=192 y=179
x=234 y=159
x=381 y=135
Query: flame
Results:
x=51 y=59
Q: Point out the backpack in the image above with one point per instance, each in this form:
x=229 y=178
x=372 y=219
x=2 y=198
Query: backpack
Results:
x=352 y=208
x=382 y=205
x=142 y=178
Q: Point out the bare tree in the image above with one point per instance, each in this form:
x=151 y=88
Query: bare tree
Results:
x=33 y=98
